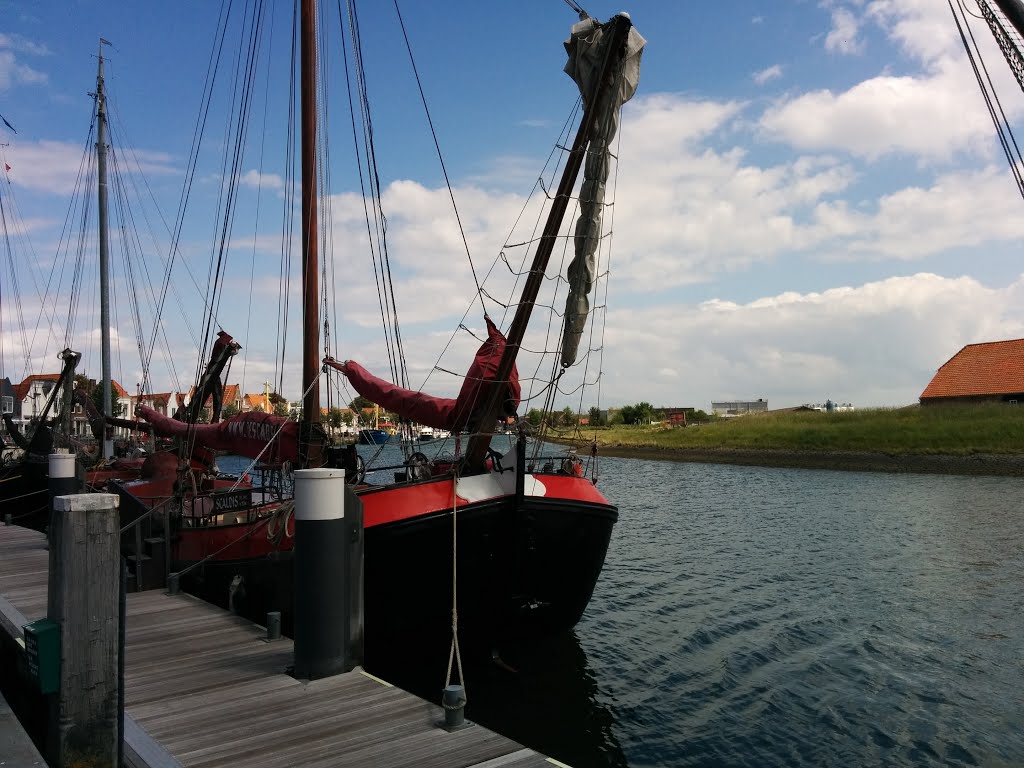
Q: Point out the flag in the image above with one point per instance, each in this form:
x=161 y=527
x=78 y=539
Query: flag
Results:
x=105 y=42
x=7 y=166
x=7 y=124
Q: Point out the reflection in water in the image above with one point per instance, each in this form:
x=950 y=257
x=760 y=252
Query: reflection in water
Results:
x=545 y=697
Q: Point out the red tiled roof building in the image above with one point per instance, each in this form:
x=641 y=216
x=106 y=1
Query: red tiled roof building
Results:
x=989 y=372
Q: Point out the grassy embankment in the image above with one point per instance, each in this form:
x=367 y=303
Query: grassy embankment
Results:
x=948 y=430
x=984 y=439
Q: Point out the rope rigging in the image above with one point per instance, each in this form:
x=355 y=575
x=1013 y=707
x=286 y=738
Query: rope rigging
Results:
x=1011 y=51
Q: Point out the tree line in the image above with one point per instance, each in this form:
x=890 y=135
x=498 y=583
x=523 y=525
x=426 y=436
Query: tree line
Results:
x=636 y=414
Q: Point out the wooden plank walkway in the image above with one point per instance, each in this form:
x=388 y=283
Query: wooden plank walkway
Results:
x=204 y=688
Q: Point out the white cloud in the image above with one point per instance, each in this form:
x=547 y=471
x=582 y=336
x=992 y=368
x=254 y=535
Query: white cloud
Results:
x=933 y=116
x=923 y=29
x=686 y=212
x=962 y=209
x=763 y=76
x=22 y=45
x=13 y=71
x=876 y=344
x=256 y=180
x=842 y=37
x=53 y=166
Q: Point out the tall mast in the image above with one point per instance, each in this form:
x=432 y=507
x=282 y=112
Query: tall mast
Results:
x=1014 y=11
x=482 y=426
x=309 y=449
x=101 y=173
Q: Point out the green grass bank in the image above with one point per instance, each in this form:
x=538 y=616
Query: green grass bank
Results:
x=953 y=439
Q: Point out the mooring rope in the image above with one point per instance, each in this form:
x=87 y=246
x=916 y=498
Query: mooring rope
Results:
x=277 y=528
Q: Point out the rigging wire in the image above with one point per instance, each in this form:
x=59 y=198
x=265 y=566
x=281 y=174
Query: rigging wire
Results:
x=16 y=297
x=259 y=202
x=199 y=130
x=440 y=158
x=48 y=302
x=369 y=177
x=576 y=7
x=127 y=177
x=556 y=154
x=288 y=220
x=999 y=120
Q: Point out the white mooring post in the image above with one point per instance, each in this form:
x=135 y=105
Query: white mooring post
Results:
x=328 y=574
x=85 y=577
x=62 y=477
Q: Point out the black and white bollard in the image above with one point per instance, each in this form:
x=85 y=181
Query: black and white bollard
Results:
x=328 y=574
x=62 y=477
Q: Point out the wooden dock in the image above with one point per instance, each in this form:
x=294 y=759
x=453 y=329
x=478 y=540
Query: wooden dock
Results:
x=205 y=688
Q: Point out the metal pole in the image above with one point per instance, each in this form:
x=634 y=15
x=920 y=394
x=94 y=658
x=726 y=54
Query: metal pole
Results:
x=101 y=172
x=328 y=569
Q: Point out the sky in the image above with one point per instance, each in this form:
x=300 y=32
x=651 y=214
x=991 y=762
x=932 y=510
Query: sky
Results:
x=811 y=201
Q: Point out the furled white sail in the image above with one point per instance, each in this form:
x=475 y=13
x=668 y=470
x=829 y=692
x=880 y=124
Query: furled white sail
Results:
x=587 y=49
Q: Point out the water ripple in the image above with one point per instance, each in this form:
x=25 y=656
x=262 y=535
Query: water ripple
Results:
x=769 y=617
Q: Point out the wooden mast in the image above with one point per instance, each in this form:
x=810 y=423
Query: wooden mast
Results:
x=310 y=453
x=482 y=425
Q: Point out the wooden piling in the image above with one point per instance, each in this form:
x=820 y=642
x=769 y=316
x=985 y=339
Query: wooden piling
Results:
x=83 y=600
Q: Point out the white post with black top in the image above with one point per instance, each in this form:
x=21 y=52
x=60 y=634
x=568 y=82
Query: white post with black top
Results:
x=328 y=623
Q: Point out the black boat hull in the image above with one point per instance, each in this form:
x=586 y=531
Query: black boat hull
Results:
x=525 y=571
x=24 y=493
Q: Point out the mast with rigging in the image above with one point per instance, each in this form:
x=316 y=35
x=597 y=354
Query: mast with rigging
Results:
x=483 y=424
x=101 y=174
x=310 y=450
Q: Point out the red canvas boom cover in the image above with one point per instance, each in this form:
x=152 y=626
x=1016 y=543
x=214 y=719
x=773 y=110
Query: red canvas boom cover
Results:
x=440 y=412
x=246 y=434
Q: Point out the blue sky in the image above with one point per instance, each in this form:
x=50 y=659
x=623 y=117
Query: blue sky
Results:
x=811 y=202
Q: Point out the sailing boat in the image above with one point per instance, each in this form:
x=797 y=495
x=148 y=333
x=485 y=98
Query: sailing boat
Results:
x=532 y=534
x=24 y=483
x=374 y=435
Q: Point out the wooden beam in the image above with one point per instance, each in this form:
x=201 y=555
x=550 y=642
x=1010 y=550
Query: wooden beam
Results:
x=85 y=578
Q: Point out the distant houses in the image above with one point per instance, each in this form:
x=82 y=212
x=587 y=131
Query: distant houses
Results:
x=991 y=371
x=25 y=402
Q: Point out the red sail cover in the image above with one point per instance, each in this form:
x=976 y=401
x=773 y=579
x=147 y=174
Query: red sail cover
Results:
x=246 y=434
x=441 y=412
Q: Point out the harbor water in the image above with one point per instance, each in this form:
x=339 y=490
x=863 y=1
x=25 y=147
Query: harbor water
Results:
x=752 y=616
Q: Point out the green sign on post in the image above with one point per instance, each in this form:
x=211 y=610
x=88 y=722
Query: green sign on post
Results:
x=42 y=647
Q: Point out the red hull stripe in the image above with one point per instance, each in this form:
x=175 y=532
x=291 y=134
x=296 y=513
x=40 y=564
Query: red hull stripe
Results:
x=380 y=507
